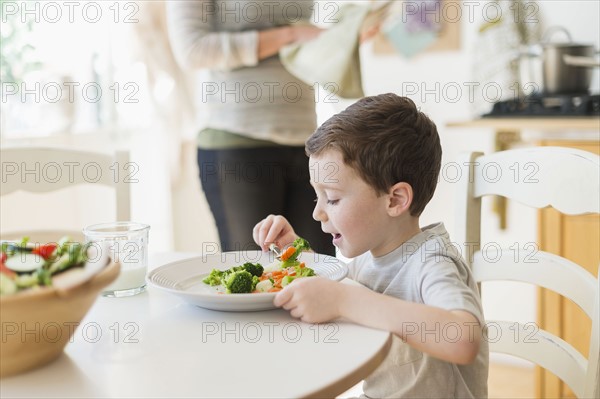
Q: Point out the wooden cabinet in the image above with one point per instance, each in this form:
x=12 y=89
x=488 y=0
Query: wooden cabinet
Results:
x=576 y=238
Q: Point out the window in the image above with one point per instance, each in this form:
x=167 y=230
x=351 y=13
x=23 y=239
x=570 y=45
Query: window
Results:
x=71 y=67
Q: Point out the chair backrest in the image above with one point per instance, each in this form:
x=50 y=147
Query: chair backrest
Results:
x=568 y=180
x=40 y=169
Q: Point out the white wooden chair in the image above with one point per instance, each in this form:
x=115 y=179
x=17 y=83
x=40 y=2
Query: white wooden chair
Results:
x=568 y=180
x=41 y=170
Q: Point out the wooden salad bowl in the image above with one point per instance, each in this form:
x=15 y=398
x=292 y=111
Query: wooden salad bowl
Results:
x=37 y=324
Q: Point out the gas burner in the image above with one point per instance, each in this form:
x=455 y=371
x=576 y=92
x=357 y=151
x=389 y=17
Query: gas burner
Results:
x=563 y=105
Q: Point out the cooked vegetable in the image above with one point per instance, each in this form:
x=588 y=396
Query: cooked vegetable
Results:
x=218 y=277
x=286 y=280
x=302 y=271
x=290 y=255
x=240 y=282
x=273 y=267
x=214 y=278
x=301 y=244
x=264 y=286
x=254 y=269
x=253 y=277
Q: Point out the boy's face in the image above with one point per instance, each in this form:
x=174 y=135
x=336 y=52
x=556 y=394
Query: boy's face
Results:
x=348 y=208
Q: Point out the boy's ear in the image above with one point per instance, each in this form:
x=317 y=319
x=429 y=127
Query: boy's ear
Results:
x=400 y=198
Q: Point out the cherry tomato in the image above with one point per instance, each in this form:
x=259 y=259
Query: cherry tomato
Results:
x=6 y=270
x=45 y=251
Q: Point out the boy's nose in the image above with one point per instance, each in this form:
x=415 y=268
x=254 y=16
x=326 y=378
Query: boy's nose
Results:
x=318 y=214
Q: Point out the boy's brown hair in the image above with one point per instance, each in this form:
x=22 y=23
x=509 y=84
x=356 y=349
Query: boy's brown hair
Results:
x=387 y=140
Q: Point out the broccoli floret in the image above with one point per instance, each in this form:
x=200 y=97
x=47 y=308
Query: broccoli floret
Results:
x=255 y=281
x=304 y=271
x=301 y=245
x=238 y=279
x=214 y=278
x=254 y=269
x=286 y=280
x=240 y=282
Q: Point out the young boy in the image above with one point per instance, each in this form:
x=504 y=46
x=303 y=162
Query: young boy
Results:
x=374 y=167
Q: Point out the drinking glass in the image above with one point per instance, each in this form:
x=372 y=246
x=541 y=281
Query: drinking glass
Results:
x=126 y=243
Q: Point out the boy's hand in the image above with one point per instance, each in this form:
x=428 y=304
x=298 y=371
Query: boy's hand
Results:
x=312 y=299
x=273 y=229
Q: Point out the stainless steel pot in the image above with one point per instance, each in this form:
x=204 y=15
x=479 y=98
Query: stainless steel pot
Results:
x=566 y=66
x=530 y=69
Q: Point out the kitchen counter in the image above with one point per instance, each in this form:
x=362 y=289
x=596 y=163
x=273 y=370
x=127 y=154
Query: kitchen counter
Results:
x=536 y=129
x=590 y=123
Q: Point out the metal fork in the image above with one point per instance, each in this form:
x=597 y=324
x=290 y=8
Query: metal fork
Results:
x=276 y=250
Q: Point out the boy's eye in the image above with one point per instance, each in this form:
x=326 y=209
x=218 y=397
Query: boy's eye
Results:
x=332 y=202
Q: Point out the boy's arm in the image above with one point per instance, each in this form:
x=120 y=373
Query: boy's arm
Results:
x=453 y=336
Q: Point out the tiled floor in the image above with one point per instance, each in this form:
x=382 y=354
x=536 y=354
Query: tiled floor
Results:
x=505 y=382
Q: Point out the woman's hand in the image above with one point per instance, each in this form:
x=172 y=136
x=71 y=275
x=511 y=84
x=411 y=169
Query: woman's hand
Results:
x=305 y=33
x=273 y=229
x=367 y=34
x=270 y=41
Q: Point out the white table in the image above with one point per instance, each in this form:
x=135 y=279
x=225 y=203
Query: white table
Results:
x=155 y=345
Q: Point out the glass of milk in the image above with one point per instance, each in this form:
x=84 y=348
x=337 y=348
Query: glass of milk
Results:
x=126 y=243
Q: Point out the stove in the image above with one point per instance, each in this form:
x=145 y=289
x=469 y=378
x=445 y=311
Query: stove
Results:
x=539 y=105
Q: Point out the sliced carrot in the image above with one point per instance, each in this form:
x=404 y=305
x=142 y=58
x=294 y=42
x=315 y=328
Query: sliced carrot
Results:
x=277 y=273
x=302 y=265
x=288 y=253
x=275 y=289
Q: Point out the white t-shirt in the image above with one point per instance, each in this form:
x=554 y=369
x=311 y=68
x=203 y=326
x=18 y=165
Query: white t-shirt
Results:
x=426 y=269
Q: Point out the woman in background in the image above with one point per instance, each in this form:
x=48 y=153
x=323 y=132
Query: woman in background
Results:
x=251 y=154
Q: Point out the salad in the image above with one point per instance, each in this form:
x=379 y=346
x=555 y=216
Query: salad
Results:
x=254 y=278
x=25 y=265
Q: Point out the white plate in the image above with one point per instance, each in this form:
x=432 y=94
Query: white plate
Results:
x=184 y=278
